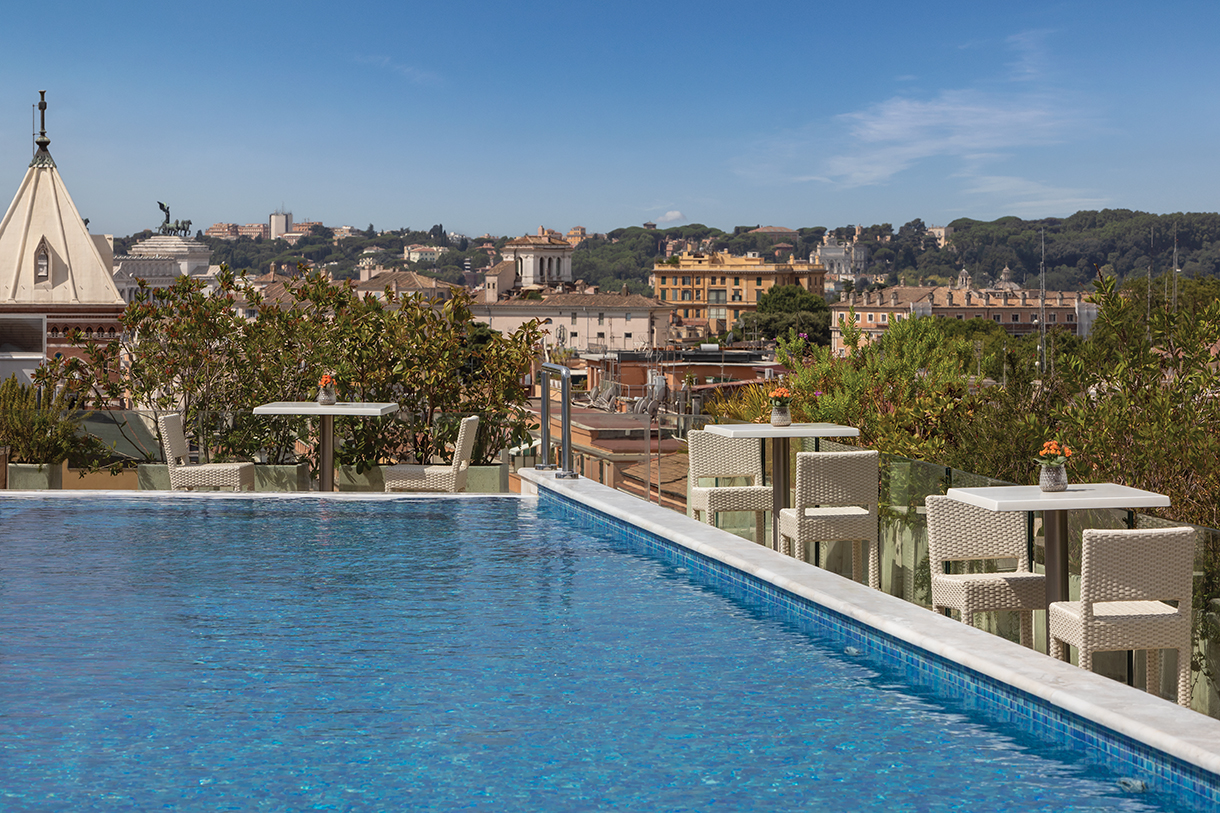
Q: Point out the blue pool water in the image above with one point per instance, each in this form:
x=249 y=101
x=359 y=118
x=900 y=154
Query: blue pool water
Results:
x=248 y=654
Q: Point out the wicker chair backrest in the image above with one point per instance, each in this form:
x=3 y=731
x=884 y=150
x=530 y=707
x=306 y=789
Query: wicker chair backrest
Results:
x=1154 y=564
x=712 y=455
x=837 y=478
x=464 y=448
x=173 y=441
x=959 y=532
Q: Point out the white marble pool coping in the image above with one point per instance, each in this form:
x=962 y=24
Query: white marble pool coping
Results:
x=1161 y=724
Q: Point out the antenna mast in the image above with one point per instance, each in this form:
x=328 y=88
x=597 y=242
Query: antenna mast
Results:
x=1042 y=311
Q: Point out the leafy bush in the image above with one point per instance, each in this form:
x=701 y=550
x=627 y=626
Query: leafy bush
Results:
x=40 y=428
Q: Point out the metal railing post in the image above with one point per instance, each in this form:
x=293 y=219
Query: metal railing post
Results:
x=565 y=412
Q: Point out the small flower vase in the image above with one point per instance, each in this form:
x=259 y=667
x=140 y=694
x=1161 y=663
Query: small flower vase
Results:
x=1052 y=478
x=781 y=416
x=326 y=396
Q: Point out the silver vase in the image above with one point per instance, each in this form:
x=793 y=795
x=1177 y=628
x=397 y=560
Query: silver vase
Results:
x=1053 y=478
x=781 y=416
x=326 y=396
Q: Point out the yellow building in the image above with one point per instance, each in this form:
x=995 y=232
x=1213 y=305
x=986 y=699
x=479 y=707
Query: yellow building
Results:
x=713 y=290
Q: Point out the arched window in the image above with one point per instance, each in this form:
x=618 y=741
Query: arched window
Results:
x=42 y=263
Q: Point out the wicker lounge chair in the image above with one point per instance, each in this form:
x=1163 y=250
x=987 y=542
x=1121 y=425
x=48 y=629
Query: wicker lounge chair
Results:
x=184 y=475
x=713 y=456
x=958 y=532
x=1125 y=579
x=836 y=501
x=439 y=477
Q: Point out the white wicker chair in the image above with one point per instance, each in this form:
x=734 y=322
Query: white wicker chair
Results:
x=1125 y=579
x=184 y=475
x=958 y=532
x=836 y=501
x=713 y=456
x=439 y=477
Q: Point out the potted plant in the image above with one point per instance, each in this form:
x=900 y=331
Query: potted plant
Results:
x=1052 y=471
x=41 y=432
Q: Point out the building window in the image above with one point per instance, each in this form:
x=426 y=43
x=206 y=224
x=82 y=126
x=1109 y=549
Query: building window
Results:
x=698 y=294
x=662 y=280
x=572 y=335
x=627 y=337
x=996 y=317
x=601 y=318
x=717 y=296
x=870 y=317
x=1071 y=317
x=1016 y=317
x=758 y=282
x=662 y=294
x=627 y=317
x=736 y=280
x=686 y=313
x=574 y=313
x=883 y=317
x=1051 y=317
x=857 y=317
x=716 y=313
x=601 y=335
x=686 y=296
x=722 y=280
x=42 y=263
x=686 y=280
x=960 y=317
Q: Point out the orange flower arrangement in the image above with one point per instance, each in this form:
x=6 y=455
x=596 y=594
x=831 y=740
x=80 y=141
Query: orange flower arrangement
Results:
x=781 y=396
x=1053 y=453
x=327 y=380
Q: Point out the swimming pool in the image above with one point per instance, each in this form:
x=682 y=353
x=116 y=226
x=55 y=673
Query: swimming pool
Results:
x=432 y=654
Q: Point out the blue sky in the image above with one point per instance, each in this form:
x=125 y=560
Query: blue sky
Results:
x=500 y=117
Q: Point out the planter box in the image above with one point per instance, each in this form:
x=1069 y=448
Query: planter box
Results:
x=346 y=479
x=155 y=477
x=479 y=479
x=35 y=476
x=282 y=478
x=152 y=477
x=487 y=479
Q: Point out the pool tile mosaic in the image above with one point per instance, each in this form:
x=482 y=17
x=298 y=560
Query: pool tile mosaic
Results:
x=993 y=699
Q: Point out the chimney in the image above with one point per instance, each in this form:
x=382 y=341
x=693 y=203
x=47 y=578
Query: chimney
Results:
x=893 y=294
x=968 y=298
x=1061 y=297
x=1023 y=297
x=986 y=298
x=949 y=296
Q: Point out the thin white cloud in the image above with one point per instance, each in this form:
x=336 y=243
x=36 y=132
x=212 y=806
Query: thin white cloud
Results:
x=1032 y=56
x=898 y=133
x=1026 y=197
x=671 y=217
x=412 y=74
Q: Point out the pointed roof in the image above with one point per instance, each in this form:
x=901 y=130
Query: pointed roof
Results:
x=47 y=255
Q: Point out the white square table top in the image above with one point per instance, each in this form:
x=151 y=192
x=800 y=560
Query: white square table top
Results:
x=1077 y=496
x=356 y=408
x=796 y=430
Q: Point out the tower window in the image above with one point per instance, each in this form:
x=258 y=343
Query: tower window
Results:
x=42 y=263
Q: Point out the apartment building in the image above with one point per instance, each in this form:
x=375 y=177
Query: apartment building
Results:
x=1019 y=312
x=716 y=289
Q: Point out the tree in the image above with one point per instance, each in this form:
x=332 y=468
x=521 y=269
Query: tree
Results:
x=790 y=299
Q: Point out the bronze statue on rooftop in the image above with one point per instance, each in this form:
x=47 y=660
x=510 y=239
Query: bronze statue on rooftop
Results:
x=181 y=228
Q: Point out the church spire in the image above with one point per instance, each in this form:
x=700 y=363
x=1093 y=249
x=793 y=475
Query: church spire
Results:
x=42 y=158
